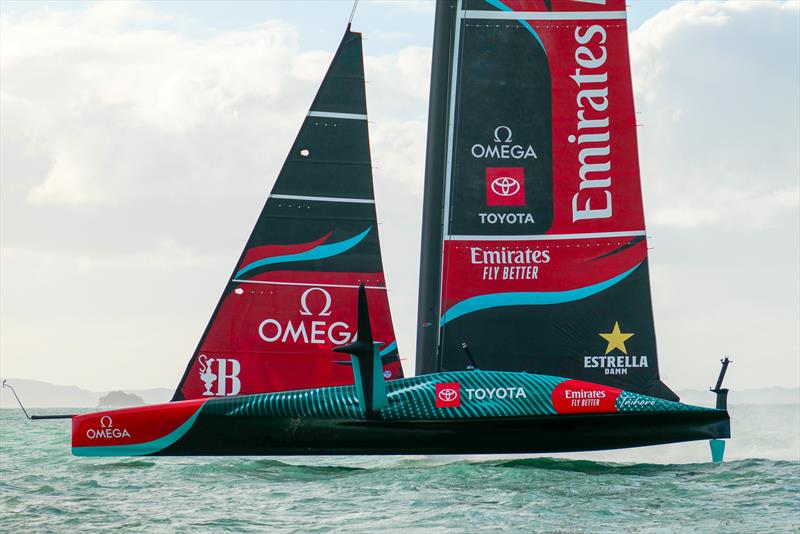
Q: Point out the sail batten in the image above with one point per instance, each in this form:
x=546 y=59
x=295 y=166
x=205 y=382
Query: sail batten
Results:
x=337 y=115
x=539 y=15
x=326 y=199
x=545 y=237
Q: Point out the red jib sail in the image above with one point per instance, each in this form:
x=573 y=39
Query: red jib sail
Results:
x=293 y=294
x=544 y=253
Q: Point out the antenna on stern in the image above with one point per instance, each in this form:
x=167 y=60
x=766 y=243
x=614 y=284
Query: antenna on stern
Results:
x=34 y=417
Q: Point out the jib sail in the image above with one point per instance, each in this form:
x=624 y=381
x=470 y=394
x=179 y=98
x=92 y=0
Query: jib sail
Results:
x=542 y=265
x=292 y=296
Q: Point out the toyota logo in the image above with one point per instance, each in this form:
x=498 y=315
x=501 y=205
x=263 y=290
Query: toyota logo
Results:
x=448 y=395
x=505 y=186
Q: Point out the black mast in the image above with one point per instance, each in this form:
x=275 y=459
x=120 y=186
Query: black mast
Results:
x=433 y=202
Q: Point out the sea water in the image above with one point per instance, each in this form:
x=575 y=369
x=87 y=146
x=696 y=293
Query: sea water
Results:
x=671 y=488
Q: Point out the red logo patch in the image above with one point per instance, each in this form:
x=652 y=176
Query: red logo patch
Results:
x=448 y=395
x=576 y=396
x=505 y=186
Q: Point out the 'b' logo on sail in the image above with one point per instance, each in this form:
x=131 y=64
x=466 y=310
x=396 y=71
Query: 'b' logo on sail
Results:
x=505 y=186
x=226 y=376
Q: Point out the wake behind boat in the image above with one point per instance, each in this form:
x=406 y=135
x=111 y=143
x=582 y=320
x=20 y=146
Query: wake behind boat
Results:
x=535 y=326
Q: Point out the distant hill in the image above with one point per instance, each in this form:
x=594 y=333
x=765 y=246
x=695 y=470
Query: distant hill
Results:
x=119 y=399
x=38 y=394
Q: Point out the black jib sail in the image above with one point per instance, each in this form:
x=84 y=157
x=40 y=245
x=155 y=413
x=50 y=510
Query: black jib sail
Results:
x=534 y=248
x=292 y=296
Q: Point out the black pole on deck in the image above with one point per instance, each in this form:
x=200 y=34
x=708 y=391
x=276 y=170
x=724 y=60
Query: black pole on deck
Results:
x=722 y=393
x=428 y=359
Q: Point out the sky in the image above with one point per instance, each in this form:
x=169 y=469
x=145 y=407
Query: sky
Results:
x=138 y=142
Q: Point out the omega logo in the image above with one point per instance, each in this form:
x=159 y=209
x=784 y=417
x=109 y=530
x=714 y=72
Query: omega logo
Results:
x=502 y=147
x=107 y=430
x=497 y=134
x=326 y=309
x=306 y=331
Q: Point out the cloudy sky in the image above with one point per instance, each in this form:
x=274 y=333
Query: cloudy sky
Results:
x=138 y=142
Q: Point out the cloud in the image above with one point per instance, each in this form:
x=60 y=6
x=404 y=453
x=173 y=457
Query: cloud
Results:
x=717 y=91
x=716 y=87
x=136 y=157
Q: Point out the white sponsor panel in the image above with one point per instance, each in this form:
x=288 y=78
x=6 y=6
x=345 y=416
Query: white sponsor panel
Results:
x=226 y=377
x=592 y=200
x=503 y=147
x=506 y=218
x=509 y=264
x=614 y=365
x=319 y=331
x=510 y=392
x=635 y=402
x=107 y=430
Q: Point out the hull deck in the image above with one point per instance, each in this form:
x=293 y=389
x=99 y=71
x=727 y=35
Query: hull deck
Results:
x=444 y=413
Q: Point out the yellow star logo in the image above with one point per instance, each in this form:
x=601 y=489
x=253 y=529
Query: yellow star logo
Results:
x=616 y=339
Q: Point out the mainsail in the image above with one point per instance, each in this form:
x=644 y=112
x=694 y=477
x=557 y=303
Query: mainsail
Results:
x=534 y=250
x=292 y=297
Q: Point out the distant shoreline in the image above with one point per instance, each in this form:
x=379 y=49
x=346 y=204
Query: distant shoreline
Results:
x=39 y=394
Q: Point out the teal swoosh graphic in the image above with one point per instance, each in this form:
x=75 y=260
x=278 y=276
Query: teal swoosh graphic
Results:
x=317 y=253
x=502 y=7
x=389 y=348
x=496 y=300
x=139 y=449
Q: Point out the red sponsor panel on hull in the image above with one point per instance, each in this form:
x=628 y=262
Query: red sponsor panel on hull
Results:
x=576 y=396
x=448 y=395
x=270 y=334
x=131 y=426
x=505 y=186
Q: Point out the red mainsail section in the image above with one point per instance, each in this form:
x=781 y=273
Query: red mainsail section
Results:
x=278 y=334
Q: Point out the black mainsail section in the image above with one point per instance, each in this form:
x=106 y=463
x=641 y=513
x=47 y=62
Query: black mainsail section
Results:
x=292 y=296
x=542 y=265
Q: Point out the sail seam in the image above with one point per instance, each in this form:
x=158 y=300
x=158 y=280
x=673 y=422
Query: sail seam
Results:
x=242 y=281
x=326 y=199
x=337 y=115
x=539 y=15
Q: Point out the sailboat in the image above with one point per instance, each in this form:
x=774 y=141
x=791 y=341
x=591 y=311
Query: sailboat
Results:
x=536 y=329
